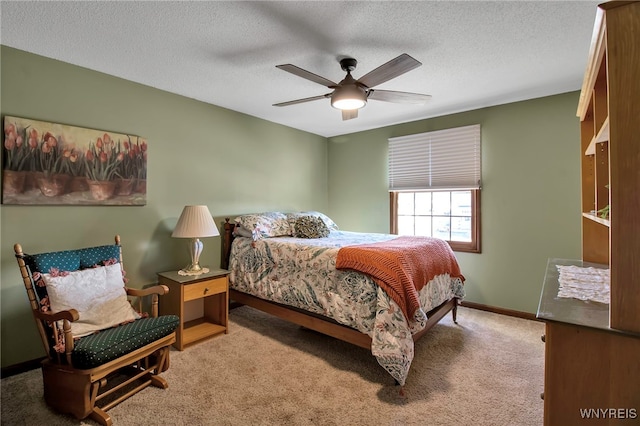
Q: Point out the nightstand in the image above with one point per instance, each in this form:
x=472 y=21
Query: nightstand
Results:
x=210 y=290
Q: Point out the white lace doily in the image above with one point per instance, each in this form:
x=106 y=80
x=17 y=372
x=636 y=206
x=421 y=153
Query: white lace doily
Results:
x=200 y=272
x=584 y=283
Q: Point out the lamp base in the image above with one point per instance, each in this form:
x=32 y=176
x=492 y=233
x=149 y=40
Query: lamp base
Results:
x=195 y=249
x=193 y=269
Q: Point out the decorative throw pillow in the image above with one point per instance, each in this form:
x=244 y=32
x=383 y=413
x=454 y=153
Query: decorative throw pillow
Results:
x=97 y=294
x=326 y=219
x=310 y=227
x=265 y=225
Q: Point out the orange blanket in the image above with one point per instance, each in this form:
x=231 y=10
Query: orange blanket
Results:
x=402 y=266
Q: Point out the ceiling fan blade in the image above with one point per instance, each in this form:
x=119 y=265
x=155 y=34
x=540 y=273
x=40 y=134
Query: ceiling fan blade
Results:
x=299 y=101
x=392 y=69
x=306 y=74
x=398 y=97
x=348 y=114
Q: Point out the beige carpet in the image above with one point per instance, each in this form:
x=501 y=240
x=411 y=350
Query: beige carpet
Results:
x=487 y=370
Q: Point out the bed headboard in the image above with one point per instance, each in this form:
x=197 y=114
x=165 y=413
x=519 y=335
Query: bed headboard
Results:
x=227 y=239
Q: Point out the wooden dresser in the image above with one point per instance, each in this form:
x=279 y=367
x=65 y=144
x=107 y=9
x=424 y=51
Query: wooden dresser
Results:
x=588 y=365
x=592 y=352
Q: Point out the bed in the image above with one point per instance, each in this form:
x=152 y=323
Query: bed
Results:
x=302 y=268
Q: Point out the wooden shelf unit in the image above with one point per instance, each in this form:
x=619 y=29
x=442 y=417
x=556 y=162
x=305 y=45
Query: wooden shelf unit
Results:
x=609 y=111
x=601 y=137
x=593 y=110
x=592 y=350
x=596 y=218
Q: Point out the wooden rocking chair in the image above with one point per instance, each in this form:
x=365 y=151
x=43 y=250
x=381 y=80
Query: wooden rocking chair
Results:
x=108 y=365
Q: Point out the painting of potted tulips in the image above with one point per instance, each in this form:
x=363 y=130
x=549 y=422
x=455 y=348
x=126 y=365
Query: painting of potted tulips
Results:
x=51 y=163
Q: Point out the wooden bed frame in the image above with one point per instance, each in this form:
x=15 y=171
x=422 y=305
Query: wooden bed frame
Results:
x=314 y=321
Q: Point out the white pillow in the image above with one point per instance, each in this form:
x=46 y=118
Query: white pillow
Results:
x=97 y=294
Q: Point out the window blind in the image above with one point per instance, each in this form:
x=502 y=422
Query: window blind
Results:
x=443 y=159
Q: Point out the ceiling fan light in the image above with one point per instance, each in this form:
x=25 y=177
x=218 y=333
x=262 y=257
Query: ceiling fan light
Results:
x=349 y=97
x=348 y=104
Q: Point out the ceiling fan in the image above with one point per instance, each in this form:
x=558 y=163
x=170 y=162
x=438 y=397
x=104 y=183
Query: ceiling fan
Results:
x=350 y=94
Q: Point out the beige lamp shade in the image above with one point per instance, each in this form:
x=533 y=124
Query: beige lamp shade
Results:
x=195 y=222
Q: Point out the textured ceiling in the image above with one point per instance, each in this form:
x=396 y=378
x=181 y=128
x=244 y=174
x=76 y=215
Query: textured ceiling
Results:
x=474 y=54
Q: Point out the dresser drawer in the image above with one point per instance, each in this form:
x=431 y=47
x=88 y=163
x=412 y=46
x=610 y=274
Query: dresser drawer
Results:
x=205 y=288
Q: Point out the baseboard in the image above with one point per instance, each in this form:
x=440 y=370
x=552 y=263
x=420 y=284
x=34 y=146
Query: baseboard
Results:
x=22 y=367
x=502 y=311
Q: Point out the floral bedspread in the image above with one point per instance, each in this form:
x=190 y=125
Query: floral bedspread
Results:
x=302 y=273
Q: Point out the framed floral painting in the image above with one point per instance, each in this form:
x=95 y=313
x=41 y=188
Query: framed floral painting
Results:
x=51 y=163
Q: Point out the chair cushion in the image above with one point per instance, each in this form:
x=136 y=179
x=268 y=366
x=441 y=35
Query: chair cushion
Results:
x=107 y=345
x=94 y=256
x=69 y=260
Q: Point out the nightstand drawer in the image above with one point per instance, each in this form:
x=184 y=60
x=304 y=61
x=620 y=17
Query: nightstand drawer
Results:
x=205 y=288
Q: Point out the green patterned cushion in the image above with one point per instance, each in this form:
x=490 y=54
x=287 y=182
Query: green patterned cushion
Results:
x=69 y=260
x=92 y=256
x=107 y=345
x=72 y=260
x=310 y=227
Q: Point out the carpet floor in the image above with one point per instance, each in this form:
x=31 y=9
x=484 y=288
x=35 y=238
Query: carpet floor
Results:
x=486 y=370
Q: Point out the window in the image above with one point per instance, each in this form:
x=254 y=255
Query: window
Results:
x=434 y=185
x=450 y=215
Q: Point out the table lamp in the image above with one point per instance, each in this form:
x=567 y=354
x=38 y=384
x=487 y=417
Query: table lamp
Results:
x=195 y=222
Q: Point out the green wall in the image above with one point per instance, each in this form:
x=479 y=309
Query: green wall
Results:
x=198 y=154
x=530 y=199
x=234 y=163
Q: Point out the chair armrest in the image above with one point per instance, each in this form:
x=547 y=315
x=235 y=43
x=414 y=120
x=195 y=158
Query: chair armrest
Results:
x=156 y=289
x=69 y=315
x=149 y=291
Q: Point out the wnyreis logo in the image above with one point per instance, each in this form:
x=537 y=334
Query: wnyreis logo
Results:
x=609 y=413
